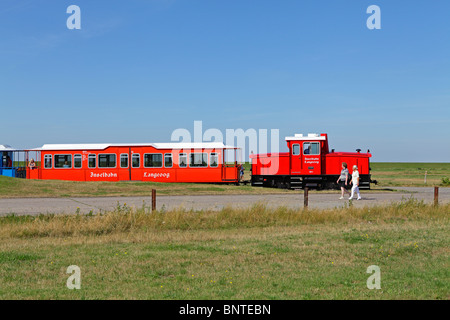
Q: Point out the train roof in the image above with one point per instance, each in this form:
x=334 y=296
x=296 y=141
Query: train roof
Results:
x=6 y=147
x=309 y=136
x=103 y=146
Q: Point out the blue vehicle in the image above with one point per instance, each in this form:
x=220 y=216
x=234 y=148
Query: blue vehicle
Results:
x=12 y=162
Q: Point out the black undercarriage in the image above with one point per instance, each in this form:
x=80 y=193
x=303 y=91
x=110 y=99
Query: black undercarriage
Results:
x=300 y=182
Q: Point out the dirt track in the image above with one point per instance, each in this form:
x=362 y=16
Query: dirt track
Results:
x=33 y=206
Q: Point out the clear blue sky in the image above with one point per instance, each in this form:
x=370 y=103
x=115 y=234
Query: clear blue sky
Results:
x=138 y=69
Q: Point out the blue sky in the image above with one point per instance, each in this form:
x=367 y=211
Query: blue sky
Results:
x=139 y=69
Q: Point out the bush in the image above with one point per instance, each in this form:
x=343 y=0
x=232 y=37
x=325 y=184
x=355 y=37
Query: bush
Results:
x=446 y=181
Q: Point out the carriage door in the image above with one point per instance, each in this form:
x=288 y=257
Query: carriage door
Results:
x=129 y=163
x=296 y=158
x=311 y=158
x=230 y=165
x=135 y=173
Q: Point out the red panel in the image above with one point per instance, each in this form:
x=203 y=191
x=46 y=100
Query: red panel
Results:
x=334 y=162
x=270 y=164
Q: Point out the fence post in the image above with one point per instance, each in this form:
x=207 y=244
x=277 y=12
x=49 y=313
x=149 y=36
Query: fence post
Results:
x=436 y=196
x=425 y=179
x=305 y=198
x=153 y=199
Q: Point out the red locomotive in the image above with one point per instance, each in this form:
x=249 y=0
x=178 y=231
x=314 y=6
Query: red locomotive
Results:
x=309 y=163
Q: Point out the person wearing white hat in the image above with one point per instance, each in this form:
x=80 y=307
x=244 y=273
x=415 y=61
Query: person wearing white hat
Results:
x=355 y=183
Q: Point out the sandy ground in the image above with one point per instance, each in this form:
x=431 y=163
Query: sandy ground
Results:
x=33 y=206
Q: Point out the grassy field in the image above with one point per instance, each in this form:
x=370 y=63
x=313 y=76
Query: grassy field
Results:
x=387 y=174
x=410 y=174
x=255 y=253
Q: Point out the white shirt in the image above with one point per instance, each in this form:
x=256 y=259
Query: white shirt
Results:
x=355 y=176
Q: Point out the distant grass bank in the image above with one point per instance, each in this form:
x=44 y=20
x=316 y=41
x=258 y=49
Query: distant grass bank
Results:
x=387 y=174
x=255 y=253
x=410 y=174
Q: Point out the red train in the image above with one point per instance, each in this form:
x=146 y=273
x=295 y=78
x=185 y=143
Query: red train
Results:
x=308 y=163
x=157 y=162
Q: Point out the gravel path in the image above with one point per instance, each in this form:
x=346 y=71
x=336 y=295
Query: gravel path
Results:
x=33 y=206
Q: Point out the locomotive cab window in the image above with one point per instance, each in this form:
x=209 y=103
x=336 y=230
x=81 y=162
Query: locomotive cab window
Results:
x=77 y=163
x=295 y=149
x=48 y=161
x=199 y=160
x=106 y=160
x=153 y=160
x=312 y=148
x=168 y=160
x=63 y=161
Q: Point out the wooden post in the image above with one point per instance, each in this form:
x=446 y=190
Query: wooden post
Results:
x=436 y=196
x=305 y=198
x=425 y=179
x=153 y=199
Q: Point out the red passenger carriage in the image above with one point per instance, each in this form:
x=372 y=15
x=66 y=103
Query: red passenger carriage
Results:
x=157 y=162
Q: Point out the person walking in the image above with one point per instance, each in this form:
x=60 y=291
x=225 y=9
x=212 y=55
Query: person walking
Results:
x=355 y=183
x=344 y=180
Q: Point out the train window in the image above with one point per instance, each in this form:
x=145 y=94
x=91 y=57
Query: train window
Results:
x=213 y=160
x=124 y=160
x=77 y=163
x=311 y=148
x=168 y=160
x=153 y=160
x=48 y=161
x=63 y=161
x=136 y=160
x=107 y=160
x=92 y=160
x=295 y=149
x=199 y=159
x=182 y=161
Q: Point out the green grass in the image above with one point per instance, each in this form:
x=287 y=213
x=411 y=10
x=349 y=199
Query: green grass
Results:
x=410 y=174
x=255 y=253
x=16 y=188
